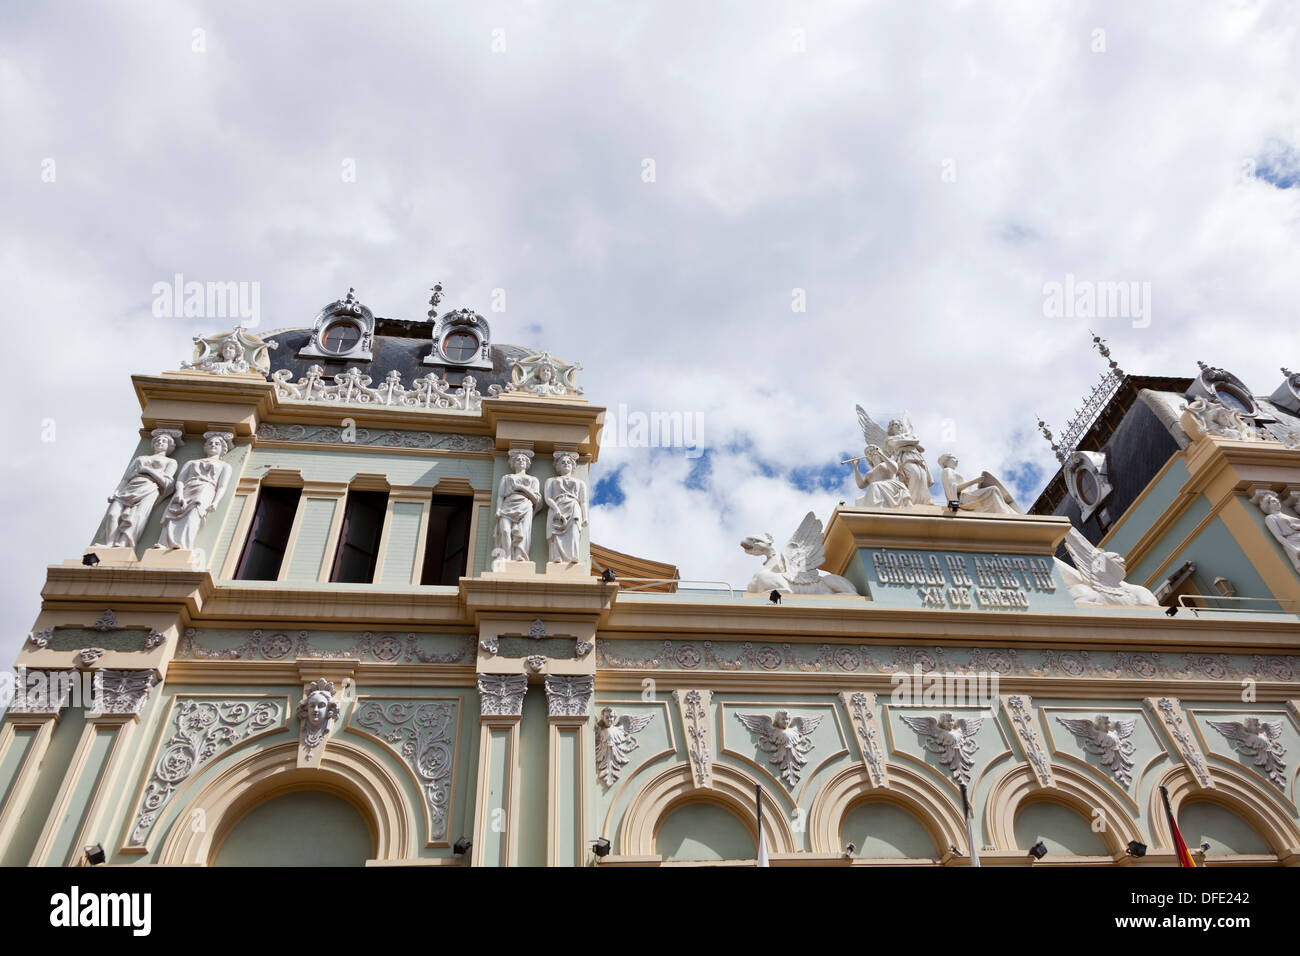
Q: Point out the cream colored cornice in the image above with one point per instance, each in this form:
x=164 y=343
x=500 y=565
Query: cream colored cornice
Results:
x=529 y=597
x=546 y=425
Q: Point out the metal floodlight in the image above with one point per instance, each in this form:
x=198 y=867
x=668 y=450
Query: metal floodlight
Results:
x=1038 y=850
x=1171 y=610
x=608 y=576
x=461 y=846
x=95 y=854
x=1137 y=849
x=90 y=559
x=775 y=597
x=849 y=851
x=954 y=506
x=1205 y=848
x=600 y=847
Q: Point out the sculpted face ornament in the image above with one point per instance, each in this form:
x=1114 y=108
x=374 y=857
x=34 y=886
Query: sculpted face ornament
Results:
x=1107 y=739
x=793 y=569
x=615 y=740
x=952 y=739
x=1257 y=740
x=786 y=738
x=317 y=711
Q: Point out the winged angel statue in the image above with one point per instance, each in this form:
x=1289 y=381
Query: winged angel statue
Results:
x=793 y=569
x=898 y=475
x=1097 y=578
x=1257 y=739
x=1109 y=740
x=786 y=738
x=952 y=739
x=615 y=739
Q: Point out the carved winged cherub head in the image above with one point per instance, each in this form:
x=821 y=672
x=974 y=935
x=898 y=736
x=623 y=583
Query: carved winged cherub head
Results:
x=1252 y=725
x=947 y=721
x=1102 y=724
x=781 y=719
x=607 y=717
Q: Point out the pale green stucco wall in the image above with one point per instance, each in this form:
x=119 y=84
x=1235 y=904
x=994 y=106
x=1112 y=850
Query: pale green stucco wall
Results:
x=302 y=828
x=703 y=831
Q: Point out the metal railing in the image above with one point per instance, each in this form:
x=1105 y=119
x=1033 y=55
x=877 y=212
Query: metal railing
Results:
x=1283 y=605
x=646 y=582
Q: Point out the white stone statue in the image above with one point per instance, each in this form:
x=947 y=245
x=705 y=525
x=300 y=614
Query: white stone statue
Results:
x=231 y=352
x=317 y=712
x=146 y=478
x=883 y=487
x=1107 y=739
x=786 y=738
x=199 y=486
x=1211 y=418
x=518 y=496
x=984 y=493
x=615 y=740
x=793 y=569
x=540 y=374
x=898 y=447
x=1258 y=740
x=566 y=497
x=1097 y=578
x=952 y=740
x=1284 y=528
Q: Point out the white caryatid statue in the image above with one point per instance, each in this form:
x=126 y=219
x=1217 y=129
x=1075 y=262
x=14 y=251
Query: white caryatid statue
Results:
x=1283 y=527
x=1097 y=578
x=146 y=478
x=793 y=569
x=199 y=487
x=910 y=456
x=566 y=499
x=518 y=496
x=884 y=489
x=984 y=493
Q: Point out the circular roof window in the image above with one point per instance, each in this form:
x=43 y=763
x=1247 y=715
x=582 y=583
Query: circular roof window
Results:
x=340 y=338
x=460 y=346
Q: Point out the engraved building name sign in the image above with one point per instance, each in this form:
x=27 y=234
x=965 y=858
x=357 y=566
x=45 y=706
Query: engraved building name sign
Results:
x=953 y=580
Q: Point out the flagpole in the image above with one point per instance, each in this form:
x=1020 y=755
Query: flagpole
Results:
x=762 y=844
x=969 y=816
x=1180 y=847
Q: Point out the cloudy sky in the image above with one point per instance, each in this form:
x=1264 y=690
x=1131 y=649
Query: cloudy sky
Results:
x=657 y=188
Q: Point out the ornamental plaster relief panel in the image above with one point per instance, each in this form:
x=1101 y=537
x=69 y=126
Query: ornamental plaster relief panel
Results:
x=1169 y=714
x=1019 y=710
x=305 y=434
x=423 y=734
x=1117 y=743
x=959 y=744
x=752 y=657
x=788 y=740
x=864 y=716
x=199 y=730
x=385 y=648
x=1261 y=739
x=694 y=708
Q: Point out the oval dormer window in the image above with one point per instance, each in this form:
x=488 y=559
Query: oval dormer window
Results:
x=340 y=338
x=1228 y=396
x=460 y=346
x=1087 y=487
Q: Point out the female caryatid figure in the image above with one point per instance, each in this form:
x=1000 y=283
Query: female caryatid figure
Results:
x=199 y=487
x=566 y=497
x=146 y=478
x=883 y=487
x=518 y=496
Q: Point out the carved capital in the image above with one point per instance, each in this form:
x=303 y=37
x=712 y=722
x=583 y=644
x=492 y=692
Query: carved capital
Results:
x=119 y=692
x=569 y=695
x=501 y=695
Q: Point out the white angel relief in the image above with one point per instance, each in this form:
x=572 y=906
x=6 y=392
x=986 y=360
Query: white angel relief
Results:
x=1097 y=578
x=793 y=569
x=1257 y=739
x=786 y=738
x=953 y=740
x=1109 y=740
x=615 y=740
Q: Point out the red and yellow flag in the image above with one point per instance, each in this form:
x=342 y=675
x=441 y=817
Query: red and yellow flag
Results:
x=1184 y=857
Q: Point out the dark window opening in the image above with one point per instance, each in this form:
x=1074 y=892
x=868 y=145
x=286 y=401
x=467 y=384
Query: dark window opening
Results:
x=269 y=535
x=446 y=549
x=358 y=550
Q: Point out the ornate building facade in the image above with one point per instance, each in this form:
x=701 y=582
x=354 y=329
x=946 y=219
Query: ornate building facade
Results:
x=344 y=608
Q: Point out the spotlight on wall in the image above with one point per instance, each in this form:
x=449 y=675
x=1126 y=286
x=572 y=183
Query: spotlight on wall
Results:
x=849 y=851
x=1038 y=850
x=775 y=597
x=95 y=854
x=90 y=559
x=461 y=846
x=1136 y=849
x=608 y=576
x=1171 y=610
x=1205 y=848
x=954 y=506
x=600 y=847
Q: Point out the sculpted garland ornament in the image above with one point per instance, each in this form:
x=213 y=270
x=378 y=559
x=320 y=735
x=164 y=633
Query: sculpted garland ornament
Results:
x=953 y=740
x=615 y=740
x=786 y=738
